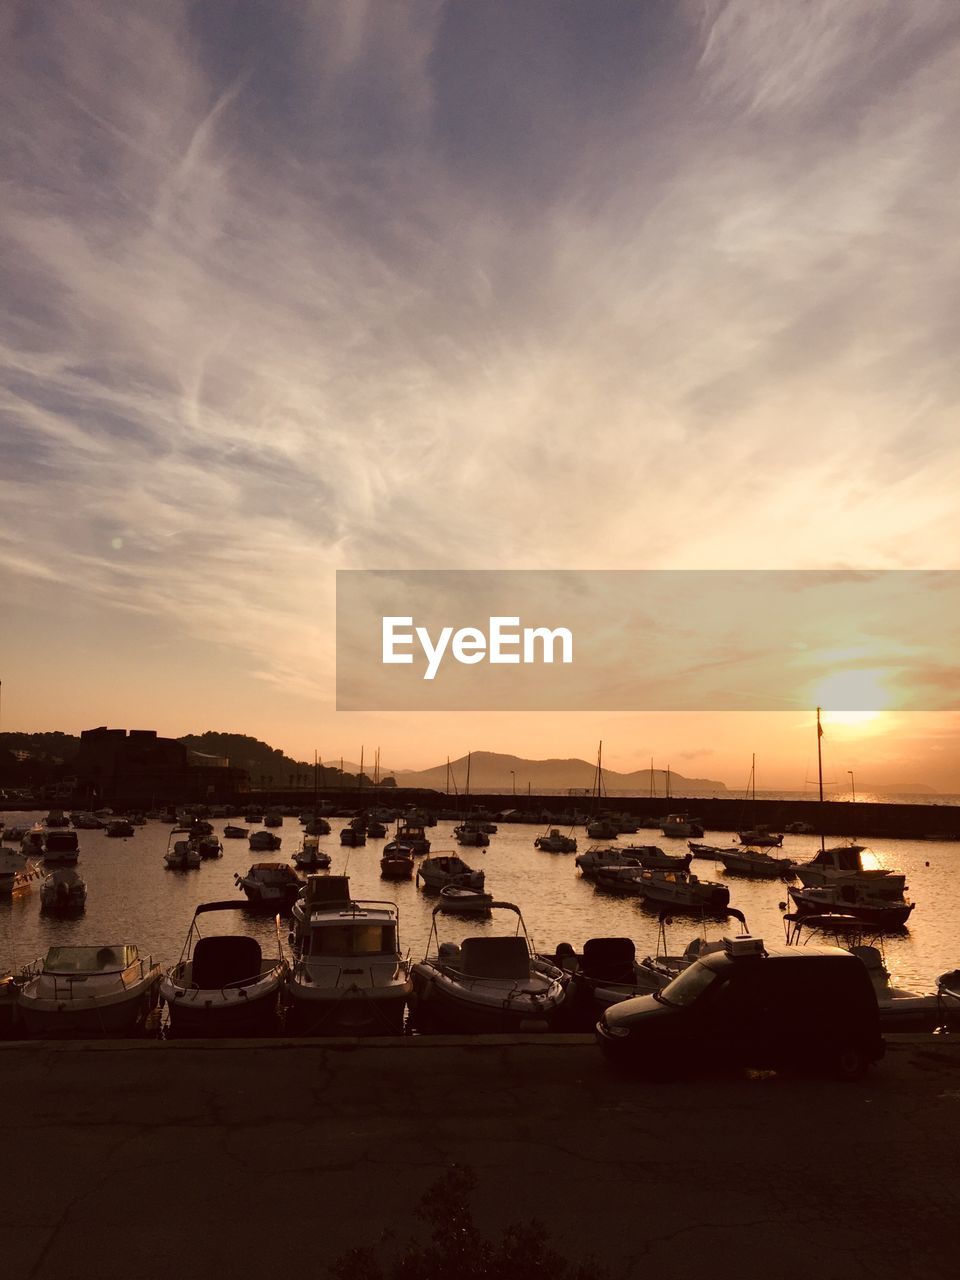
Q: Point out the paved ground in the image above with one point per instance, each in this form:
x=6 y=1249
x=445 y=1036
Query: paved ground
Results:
x=144 y=1160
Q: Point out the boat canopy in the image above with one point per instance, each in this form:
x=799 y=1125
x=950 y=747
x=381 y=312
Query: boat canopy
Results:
x=844 y=858
x=107 y=959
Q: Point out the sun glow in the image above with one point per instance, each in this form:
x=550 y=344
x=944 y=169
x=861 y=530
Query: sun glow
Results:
x=854 y=698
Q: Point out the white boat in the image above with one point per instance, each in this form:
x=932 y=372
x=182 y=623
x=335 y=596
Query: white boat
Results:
x=760 y=837
x=222 y=985
x=757 y=863
x=310 y=857
x=348 y=977
x=443 y=869
x=270 y=886
x=413 y=834
x=61 y=848
x=89 y=991
x=554 y=841
x=32 y=843
x=63 y=892
x=18 y=873
x=264 y=842
x=486 y=984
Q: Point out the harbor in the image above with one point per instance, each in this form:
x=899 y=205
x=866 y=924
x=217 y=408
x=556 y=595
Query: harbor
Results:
x=153 y=1159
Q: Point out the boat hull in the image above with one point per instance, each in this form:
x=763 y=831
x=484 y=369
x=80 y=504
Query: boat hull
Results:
x=440 y=1005
x=350 y=1012
x=212 y=1015
x=120 y=1015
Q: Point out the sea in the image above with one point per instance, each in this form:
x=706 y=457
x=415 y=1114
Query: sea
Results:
x=132 y=897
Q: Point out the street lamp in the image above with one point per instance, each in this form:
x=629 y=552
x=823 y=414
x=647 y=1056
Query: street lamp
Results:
x=853 y=789
x=513 y=775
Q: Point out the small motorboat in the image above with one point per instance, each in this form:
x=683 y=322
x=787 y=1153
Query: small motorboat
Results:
x=605 y=973
x=700 y=850
x=757 y=863
x=554 y=841
x=597 y=859
x=235 y=833
x=88 y=991
x=486 y=984
x=353 y=837
x=856 y=900
x=316 y=826
x=680 y=826
x=310 y=857
x=463 y=901
x=120 y=829
x=182 y=855
x=222 y=984
x=56 y=818
x=413 y=834
x=443 y=869
x=86 y=822
x=845 y=864
x=61 y=848
x=349 y=976
x=253 y=817
x=376 y=830
x=13 y=834
x=264 y=842
x=270 y=886
x=273 y=818
x=31 y=845
x=677 y=889
x=471 y=833
x=63 y=892
x=602 y=829
x=760 y=837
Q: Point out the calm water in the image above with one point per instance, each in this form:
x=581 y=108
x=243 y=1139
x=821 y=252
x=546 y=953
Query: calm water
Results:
x=132 y=897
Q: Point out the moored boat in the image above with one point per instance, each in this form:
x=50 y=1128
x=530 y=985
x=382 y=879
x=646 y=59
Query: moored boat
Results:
x=443 y=869
x=348 y=976
x=757 y=863
x=856 y=900
x=463 y=901
x=554 y=841
x=486 y=984
x=235 y=833
x=270 y=886
x=63 y=892
x=471 y=834
x=264 y=842
x=61 y=848
x=310 y=857
x=222 y=984
x=397 y=862
x=18 y=874
x=89 y=991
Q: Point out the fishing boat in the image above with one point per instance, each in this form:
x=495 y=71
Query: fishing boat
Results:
x=443 y=869
x=270 y=886
x=679 y=890
x=88 y=991
x=223 y=985
x=490 y=983
x=348 y=976
x=63 y=892
x=397 y=862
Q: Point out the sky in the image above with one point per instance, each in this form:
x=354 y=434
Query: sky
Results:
x=452 y=285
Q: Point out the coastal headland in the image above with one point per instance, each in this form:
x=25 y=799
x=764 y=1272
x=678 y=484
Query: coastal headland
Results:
x=153 y=1159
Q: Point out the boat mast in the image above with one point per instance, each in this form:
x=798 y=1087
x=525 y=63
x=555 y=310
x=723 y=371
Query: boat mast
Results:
x=652 y=792
x=820 y=774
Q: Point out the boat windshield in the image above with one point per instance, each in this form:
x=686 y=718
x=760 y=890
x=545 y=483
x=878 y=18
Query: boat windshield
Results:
x=687 y=986
x=89 y=959
x=360 y=939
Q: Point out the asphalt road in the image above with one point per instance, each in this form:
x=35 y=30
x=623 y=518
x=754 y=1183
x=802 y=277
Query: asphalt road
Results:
x=141 y=1160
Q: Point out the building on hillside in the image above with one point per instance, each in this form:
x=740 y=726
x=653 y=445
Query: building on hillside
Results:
x=136 y=767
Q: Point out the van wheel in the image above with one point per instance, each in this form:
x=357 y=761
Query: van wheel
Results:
x=850 y=1064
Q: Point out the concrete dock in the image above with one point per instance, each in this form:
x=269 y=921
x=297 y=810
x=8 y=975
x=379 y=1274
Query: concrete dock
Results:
x=145 y=1159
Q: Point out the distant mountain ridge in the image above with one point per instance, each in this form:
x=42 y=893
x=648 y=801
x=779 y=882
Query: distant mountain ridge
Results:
x=493 y=771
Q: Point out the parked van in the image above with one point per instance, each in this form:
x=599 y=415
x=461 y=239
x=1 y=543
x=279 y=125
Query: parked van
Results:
x=749 y=1006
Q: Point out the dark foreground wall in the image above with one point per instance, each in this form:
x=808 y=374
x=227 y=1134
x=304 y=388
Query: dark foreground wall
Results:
x=156 y=1160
